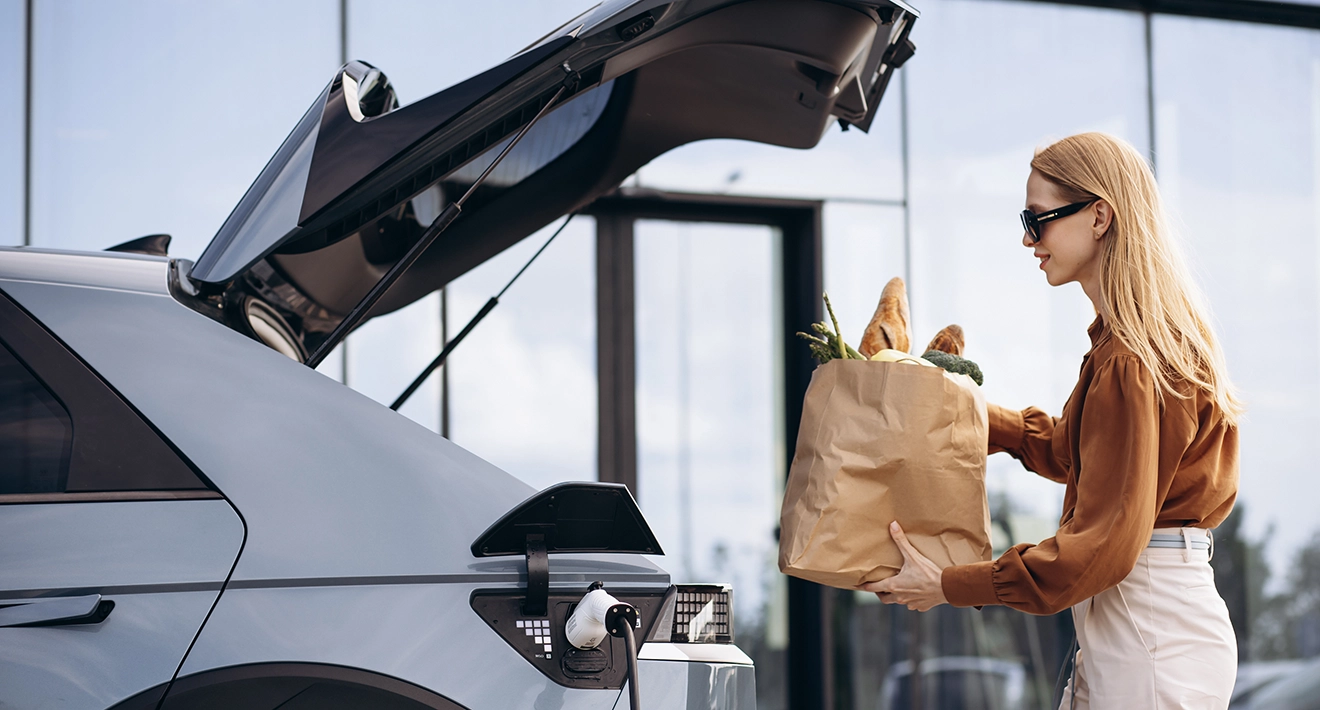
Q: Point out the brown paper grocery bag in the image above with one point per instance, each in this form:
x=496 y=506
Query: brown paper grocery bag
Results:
x=883 y=441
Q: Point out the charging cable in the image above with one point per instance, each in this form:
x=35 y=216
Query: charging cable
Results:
x=620 y=620
x=599 y=614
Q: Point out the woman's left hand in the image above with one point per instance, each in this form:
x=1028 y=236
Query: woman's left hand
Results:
x=917 y=585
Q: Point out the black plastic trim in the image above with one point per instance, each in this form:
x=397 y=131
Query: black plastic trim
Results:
x=151 y=245
x=573 y=517
x=18 y=595
x=114 y=447
x=501 y=609
x=107 y=497
x=98 y=614
x=538 y=576
x=266 y=686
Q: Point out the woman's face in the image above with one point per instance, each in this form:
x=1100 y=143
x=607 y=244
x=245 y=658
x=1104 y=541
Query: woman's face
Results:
x=1069 y=248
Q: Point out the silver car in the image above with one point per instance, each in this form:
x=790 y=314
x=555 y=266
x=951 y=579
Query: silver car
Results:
x=192 y=517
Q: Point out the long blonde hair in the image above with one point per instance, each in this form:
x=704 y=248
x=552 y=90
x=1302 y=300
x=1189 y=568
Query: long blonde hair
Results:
x=1150 y=302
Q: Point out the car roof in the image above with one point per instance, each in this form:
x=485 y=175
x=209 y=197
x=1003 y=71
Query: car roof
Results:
x=111 y=270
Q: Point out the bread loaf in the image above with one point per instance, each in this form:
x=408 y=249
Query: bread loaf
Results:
x=949 y=340
x=890 y=327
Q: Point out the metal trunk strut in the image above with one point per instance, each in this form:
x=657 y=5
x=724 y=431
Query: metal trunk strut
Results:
x=486 y=309
x=442 y=222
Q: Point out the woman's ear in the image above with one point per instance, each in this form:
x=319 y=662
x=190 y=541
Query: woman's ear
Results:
x=1104 y=217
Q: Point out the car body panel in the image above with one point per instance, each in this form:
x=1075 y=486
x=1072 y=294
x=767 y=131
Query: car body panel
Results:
x=162 y=563
x=330 y=483
x=392 y=498
x=104 y=547
x=103 y=270
x=359 y=522
x=421 y=633
x=692 y=686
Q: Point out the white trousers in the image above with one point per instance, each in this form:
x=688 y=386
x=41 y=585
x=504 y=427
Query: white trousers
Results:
x=1161 y=639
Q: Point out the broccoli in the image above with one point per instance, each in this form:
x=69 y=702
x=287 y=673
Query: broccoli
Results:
x=955 y=364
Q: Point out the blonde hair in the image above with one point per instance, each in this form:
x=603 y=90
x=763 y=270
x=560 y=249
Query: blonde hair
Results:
x=1150 y=302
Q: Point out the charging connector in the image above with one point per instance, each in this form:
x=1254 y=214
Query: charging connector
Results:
x=586 y=628
x=621 y=619
x=599 y=614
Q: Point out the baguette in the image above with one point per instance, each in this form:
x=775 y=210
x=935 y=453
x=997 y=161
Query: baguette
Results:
x=890 y=328
x=950 y=340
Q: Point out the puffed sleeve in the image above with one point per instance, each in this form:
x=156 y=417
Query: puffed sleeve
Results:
x=1027 y=436
x=1097 y=546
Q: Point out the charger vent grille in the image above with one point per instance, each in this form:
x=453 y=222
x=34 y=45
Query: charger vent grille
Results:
x=703 y=614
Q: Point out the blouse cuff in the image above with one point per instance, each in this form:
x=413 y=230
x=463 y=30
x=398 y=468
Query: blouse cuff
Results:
x=1007 y=428
x=969 y=585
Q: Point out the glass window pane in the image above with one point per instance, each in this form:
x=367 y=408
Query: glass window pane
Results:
x=863 y=250
x=972 y=138
x=523 y=384
x=424 y=46
x=974 y=660
x=554 y=134
x=333 y=364
x=169 y=135
x=710 y=456
x=35 y=432
x=386 y=353
x=12 y=80
x=1238 y=147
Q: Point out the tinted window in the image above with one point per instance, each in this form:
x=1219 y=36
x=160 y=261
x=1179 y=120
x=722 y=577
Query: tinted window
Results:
x=550 y=138
x=35 y=432
x=64 y=430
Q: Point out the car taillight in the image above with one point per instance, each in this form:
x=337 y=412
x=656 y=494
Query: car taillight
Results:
x=696 y=613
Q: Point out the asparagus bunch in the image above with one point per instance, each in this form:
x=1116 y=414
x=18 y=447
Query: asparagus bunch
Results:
x=828 y=344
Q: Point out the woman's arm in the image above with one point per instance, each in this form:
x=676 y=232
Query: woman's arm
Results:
x=1109 y=524
x=1027 y=436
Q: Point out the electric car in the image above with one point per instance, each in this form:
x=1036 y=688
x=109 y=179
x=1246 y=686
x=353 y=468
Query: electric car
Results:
x=192 y=517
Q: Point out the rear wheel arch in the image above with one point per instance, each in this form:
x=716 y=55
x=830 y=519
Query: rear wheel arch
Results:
x=289 y=686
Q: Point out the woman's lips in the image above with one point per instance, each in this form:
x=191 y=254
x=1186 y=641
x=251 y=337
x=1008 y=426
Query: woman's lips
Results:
x=1043 y=259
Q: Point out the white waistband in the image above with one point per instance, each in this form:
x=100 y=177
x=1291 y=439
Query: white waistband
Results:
x=1188 y=539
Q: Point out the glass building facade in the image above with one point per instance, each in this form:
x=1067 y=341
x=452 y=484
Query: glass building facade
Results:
x=133 y=118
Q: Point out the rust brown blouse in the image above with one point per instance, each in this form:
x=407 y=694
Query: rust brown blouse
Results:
x=1130 y=465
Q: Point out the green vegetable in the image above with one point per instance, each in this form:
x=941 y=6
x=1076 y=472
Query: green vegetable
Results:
x=843 y=352
x=955 y=364
x=828 y=344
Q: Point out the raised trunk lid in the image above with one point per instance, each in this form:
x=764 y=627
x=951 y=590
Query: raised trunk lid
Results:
x=358 y=179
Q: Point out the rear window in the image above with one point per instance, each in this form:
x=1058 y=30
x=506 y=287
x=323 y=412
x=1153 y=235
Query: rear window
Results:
x=36 y=434
x=558 y=131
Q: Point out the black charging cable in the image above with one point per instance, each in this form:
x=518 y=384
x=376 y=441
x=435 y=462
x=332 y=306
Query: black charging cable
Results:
x=620 y=621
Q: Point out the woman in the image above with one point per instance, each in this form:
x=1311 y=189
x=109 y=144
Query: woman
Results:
x=1147 y=446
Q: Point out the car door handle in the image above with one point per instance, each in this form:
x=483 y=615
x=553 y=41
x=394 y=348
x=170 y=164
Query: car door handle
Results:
x=58 y=611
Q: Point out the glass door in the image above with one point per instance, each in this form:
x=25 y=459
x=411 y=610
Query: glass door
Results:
x=709 y=449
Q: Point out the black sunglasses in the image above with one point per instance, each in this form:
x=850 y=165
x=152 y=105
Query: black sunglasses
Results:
x=1032 y=221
